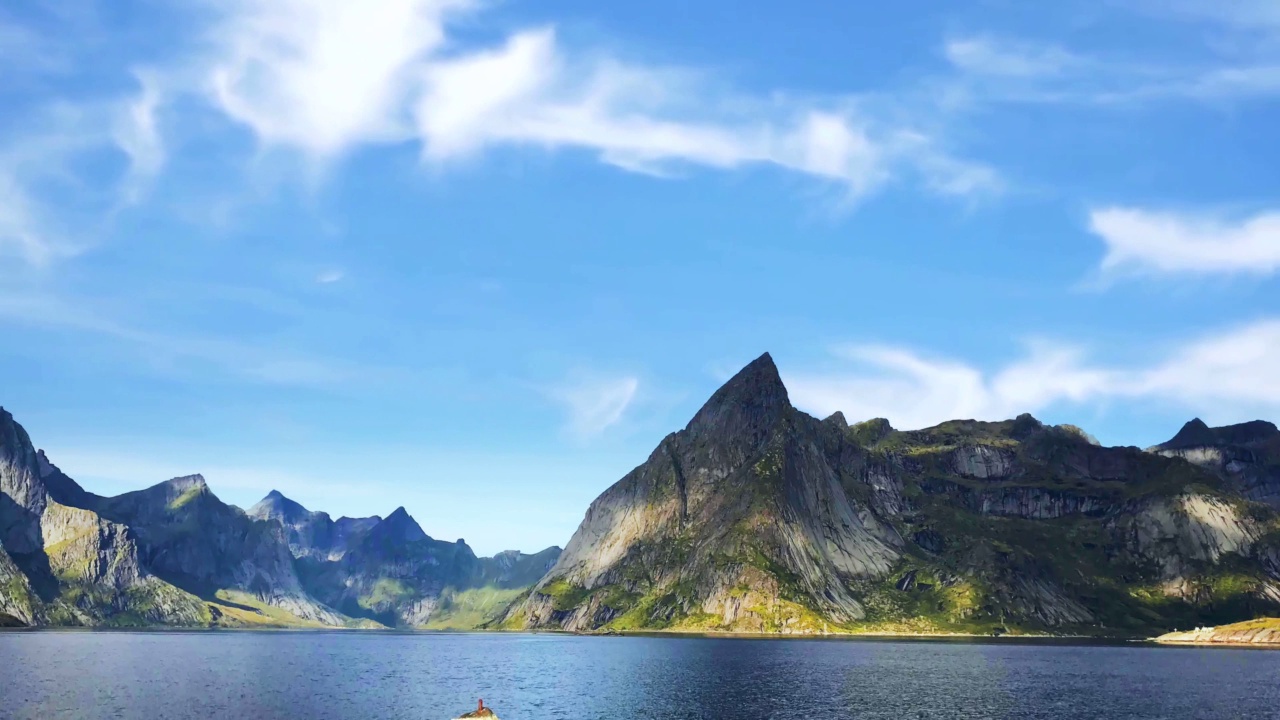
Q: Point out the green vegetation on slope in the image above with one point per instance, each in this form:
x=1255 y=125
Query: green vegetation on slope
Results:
x=471 y=609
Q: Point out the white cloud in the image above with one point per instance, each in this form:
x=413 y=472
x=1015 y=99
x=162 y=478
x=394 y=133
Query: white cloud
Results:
x=996 y=69
x=1229 y=376
x=1145 y=241
x=137 y=134
x=330 y=276
x=985 y=55
x=321 y=75
x=22 y=233
x=593 y=403
x=324 y=78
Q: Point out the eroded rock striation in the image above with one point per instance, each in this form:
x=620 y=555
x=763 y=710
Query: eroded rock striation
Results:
x=757 y=517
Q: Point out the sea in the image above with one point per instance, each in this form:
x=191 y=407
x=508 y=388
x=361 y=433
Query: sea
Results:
x=354 y=675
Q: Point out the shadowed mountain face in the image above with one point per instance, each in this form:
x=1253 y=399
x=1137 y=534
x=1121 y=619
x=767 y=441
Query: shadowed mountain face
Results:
x=395 y=574
x=1246 y=456
x=174 y=554
x=758 y=517
x=67 y=565
x=312 y=534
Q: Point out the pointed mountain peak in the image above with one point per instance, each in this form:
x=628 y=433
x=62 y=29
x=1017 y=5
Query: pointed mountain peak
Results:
x=1194 y=434
x=750 y=402
x=836 y=418
x=276 y=506
x=399 y=526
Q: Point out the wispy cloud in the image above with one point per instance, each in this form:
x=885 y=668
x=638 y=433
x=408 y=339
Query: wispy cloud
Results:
x=138 y=135
x=325 y=79
x=328 y=277
x=176 y=352
x=986 y=55
x=23 y=234
x=1001 y=69
x=1228 y=376
x=593 y=403
x=43 y=155
x=1141 y=241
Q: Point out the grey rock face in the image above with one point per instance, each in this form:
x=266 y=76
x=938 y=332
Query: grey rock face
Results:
x=758 y=517
x=193 y=540
x=311 y=534
x=750 y=492
x=1246 y=455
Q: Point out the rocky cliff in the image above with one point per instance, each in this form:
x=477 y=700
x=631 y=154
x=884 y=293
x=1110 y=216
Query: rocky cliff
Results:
x=68 y=565
x=757 y=517
x=312 y=534
x=1247 y=455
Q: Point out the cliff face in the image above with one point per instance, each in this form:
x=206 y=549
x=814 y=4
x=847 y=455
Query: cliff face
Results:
x=1247 y=455
x=312 y=534
x=68 y=565
x=757 y=517
x=195 y=541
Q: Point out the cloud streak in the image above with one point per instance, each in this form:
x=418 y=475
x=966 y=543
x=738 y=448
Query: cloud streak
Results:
x=1229 y=376
x=594 y=404
x=1149 y=242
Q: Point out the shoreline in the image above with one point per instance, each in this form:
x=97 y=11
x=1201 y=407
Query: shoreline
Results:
x=876 y=635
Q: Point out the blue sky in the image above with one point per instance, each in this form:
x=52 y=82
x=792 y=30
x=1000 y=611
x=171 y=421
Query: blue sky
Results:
x=478 y=258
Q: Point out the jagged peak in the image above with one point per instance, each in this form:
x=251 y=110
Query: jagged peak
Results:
x=751 y=400
x=399 y=526
x=1195 y=433
x=1024 y=426
x=836 y=418
x=276 y=505
x=185 y=482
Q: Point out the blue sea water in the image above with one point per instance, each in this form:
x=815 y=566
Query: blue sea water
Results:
x=350 y=675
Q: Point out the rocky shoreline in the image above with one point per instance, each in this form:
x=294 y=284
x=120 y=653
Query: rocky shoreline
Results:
x=1264 y=632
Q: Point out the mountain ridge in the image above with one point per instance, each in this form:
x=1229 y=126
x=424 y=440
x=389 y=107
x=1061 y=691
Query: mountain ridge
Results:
x=754 y=517
x=760 y=518
x=175 y=554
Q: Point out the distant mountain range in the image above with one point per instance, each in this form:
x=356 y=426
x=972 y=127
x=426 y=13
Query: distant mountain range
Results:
x=174 y=554
x=754 y=518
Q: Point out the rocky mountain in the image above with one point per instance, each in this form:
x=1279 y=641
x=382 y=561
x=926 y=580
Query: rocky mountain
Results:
x=395 y=574
x=757 y=517
x=312 y=534
x=1246 y=455
x=67 y=565
x=174 y=554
